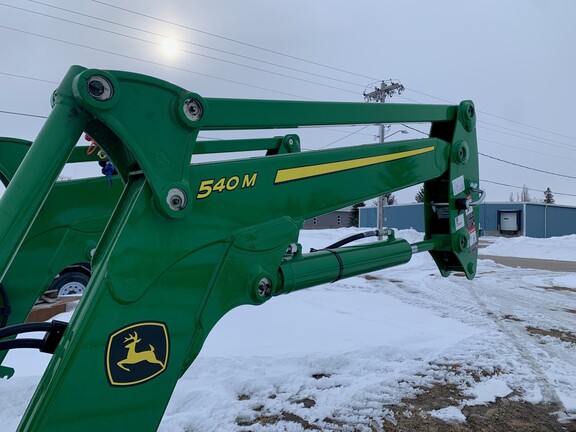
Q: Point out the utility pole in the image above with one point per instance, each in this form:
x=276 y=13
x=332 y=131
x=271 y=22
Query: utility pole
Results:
x=387 y=88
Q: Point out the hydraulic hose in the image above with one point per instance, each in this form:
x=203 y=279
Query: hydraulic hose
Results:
x=21 y=343
x=359 y=236
x=6 y=309
x=24 y=328
x=54 y=332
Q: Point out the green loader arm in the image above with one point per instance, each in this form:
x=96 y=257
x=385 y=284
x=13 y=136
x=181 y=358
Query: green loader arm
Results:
x=189 y=241
x=65 y=232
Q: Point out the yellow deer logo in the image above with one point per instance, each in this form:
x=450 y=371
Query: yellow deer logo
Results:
x=134 y=356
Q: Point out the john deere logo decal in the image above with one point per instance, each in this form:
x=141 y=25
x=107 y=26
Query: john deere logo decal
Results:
x=137 y=353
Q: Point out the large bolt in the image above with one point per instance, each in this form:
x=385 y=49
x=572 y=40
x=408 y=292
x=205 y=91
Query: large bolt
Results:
x=265 y=287
x=176 y=199
x=193 y=109
x=100 y=88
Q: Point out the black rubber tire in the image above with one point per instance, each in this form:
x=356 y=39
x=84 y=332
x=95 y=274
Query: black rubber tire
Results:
x=73 y=283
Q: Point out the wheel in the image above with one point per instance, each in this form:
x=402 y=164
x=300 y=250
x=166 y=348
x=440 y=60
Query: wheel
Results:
x=73 y=283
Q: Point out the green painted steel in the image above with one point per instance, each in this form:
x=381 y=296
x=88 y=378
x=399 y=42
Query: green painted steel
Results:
x=67 y=229
x=189 y=241
x=307 y=270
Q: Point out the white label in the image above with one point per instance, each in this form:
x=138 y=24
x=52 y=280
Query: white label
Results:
x=459 y=221
x=458 y=185
x=473 y=238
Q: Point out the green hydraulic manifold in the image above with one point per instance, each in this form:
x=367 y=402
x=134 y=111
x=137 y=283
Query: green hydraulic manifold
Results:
x=189 y=241
x=65 y=232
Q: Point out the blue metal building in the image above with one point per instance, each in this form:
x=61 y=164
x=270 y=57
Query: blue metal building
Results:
x=505 y=218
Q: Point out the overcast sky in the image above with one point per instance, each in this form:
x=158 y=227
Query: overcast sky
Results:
x=515 y=59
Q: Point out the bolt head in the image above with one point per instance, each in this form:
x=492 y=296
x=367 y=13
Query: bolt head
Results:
x=193 y=109
x=176 y=199
x=100 y=88
x=265 y=287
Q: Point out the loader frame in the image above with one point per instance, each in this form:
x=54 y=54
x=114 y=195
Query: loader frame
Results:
x=188 y=241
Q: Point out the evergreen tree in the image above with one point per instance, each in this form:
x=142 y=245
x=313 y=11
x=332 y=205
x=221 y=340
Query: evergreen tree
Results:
x=354 y=219
x=390 y=199
x=548 y=196
x=419 y=197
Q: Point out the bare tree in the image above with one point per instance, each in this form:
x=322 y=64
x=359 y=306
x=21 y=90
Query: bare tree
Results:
x=525 y=196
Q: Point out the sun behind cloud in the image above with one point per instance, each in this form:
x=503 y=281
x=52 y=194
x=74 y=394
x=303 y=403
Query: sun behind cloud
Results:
x=170 y=47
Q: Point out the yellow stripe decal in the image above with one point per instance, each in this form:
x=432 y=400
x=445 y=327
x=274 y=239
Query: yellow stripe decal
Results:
x=298 y=173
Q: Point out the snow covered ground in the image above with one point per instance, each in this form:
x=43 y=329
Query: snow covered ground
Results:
x=343 y=354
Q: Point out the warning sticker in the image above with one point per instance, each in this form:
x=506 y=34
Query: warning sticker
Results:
x=458 y=185
x=459 y=222
x=473 y=241
x=471 y=226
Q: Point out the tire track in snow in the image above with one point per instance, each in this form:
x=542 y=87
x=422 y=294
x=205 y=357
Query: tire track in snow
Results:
x=546 y=388
x=438 y=295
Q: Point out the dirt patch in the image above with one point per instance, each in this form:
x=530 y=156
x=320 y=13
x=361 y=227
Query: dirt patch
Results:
x=433 y=398
x=557 y=288
x=564 y=336
x=503 y=415
x=274 y=419
x=511 y=318
x=414 y=415
x=420 y=412
x=306 y=402
x=318 y=376
x=395 y=281
x=370 y=277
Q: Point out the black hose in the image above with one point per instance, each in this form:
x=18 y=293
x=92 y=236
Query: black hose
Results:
x=350 y=239
x=346 y=240
x=6 y=309
x=24 y=328
x=21 y=343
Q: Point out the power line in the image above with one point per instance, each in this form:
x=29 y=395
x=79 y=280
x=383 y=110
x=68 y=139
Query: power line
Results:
x=23 y=114
x=548 y=142
x=178 y=40
x=559 y=144
x=539 y=140
x=496 y=116
x=526 y=167
x=520 y=132
x=28 y=78
x=150 y=62
x=522 y=187
x=344 y=137
x=156 y=63
x=414 y=129
x=267 y=50
x=556 y=156
x=230 y=39
x=160 y=44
